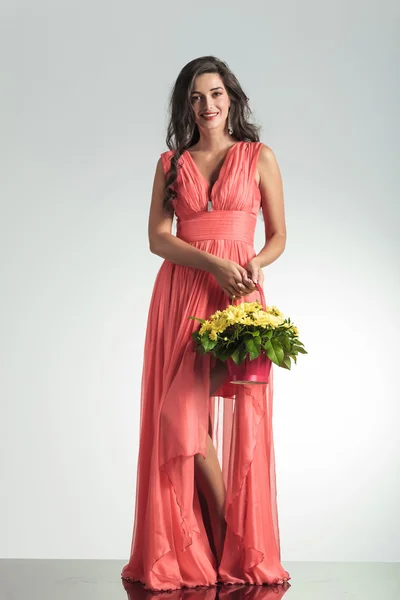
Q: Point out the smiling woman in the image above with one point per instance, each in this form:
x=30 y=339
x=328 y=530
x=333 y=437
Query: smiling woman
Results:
x=217 y=97
x=206 y=492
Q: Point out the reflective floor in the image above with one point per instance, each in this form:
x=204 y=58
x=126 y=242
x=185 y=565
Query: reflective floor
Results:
x=100 y=580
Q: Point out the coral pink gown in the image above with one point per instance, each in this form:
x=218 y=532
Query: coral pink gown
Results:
x=170 y=546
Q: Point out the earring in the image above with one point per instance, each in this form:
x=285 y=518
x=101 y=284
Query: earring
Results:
x=230 y=130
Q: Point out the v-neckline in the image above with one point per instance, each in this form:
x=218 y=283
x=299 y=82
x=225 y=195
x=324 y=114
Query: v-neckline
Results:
x=210 y=188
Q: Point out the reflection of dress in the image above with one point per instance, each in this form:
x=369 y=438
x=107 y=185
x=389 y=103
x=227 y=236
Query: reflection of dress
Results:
x=170 y=548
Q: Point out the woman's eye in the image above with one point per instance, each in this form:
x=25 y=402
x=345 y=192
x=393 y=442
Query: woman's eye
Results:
x=194 y=98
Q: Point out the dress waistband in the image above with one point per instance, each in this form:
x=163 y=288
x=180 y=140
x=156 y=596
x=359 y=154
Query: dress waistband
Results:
x=218 y=225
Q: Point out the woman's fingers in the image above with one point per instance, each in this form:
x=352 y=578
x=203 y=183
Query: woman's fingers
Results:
x=249 y=286
x=231 y=291
x=243 y=287
x=238 y=287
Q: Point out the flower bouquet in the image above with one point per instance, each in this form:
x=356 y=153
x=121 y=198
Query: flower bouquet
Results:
x=249 y=337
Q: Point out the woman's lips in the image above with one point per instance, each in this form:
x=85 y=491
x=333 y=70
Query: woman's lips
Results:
x=210 y=116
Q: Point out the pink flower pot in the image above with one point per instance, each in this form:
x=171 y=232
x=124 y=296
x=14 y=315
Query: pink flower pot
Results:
x=250 y=371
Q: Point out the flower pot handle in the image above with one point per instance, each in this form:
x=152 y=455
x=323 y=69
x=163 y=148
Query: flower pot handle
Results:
x=260 y=289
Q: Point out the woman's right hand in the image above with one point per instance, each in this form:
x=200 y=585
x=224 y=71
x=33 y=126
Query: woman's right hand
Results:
x=232 y=278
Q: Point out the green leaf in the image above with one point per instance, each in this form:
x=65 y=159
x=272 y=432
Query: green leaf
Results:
x=225 y=353
x=242 y=353
x=197 y=319
x=274 y=351
x=297 y=341
x=299 y=349
x=285 y=341
x=253 y=346
x=250 y=345
x=235 y=356
x=287 y=362
x=252 y=333
x=207 y=343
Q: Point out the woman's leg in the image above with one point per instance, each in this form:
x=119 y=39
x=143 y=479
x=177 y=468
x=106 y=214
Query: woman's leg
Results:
x=208 y=474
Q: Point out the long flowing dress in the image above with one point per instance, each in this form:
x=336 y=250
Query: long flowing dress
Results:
x=170 y=545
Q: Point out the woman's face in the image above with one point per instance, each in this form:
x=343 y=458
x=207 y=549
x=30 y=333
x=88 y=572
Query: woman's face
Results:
x=210 y=101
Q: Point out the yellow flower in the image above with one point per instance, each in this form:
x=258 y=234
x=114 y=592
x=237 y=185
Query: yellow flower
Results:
x=246 y=320
x=220 y=324
x=218 y=313
x=244 y=313
x=230 y=315
x=212 y=335
x=276 y=320
x=206 y=326
x=264 y=319
x=276 y=311
x=240 y=314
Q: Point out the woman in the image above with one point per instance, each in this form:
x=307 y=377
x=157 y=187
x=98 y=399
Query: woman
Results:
x=206 y=497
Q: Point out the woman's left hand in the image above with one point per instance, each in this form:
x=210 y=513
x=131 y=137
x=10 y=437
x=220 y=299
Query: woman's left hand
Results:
x=255 y=274
x=255 y=271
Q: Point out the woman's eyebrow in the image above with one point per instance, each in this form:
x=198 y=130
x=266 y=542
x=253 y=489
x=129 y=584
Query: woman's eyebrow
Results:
x=211 y=89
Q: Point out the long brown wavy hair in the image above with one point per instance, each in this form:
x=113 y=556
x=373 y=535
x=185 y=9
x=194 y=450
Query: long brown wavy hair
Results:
x=182 y=131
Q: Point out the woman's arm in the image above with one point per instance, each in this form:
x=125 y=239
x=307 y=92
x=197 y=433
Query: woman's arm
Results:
x=163 y=243
x=272 y=204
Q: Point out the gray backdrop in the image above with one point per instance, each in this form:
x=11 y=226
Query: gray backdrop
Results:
x=84 y=91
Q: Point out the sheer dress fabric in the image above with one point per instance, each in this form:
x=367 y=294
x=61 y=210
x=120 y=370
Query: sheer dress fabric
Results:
x=170 y=547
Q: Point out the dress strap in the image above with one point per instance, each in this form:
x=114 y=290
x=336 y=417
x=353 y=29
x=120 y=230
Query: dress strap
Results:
x=166 y=160
x=254 y=158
